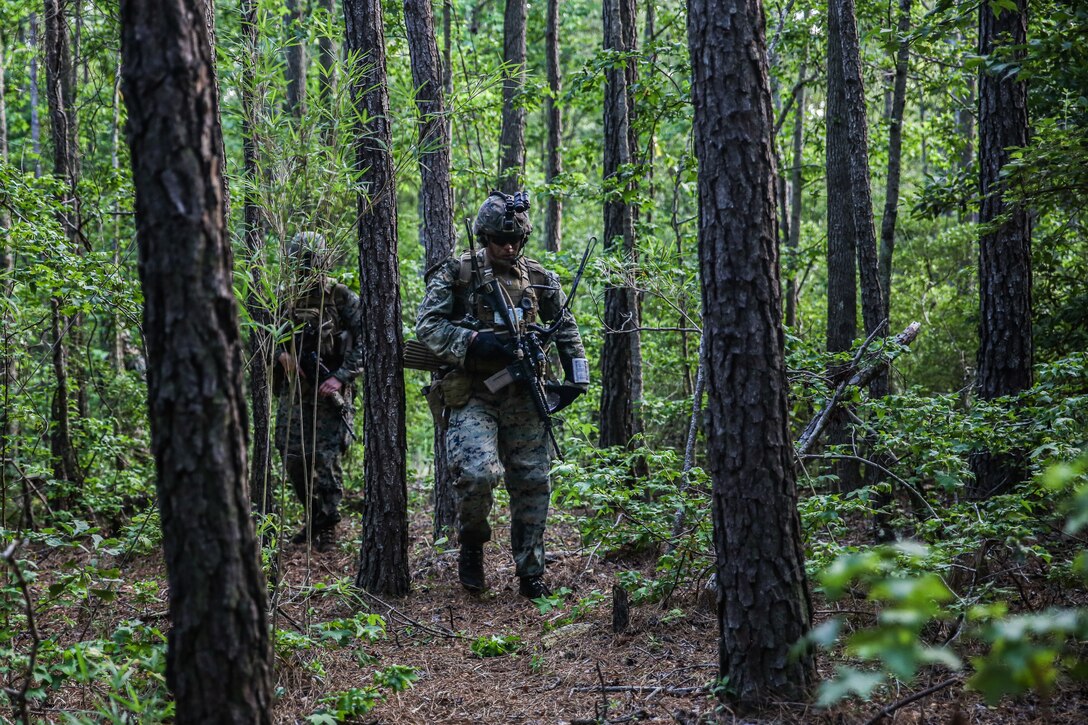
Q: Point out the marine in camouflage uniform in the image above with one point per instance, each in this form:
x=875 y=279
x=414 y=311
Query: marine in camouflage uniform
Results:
x=314 y=418
x=495 y=437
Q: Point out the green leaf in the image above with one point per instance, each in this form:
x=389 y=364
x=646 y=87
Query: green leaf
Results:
x=848 y=681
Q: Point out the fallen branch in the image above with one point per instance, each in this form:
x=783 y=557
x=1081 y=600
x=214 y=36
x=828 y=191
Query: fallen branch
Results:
x=913 y=698
x=641 y=689
x=861 y=377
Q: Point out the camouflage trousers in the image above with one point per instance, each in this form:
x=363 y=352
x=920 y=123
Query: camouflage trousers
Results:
x=311 y=436
x=495 y=438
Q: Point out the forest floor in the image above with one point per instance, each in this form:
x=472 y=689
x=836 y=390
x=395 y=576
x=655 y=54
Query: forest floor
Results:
x=567 y=665
x=658 y=670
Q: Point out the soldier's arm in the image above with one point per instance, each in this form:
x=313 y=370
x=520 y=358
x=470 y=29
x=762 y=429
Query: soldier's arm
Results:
x=568 y=340
x=347 y=303
x=434 y=326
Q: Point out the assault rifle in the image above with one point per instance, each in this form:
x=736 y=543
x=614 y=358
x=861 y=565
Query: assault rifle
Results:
x=528 y=345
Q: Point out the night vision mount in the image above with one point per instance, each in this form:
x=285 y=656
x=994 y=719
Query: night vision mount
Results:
x=516 y=204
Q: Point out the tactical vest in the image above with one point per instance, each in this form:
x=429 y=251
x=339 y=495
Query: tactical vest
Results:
x=317 y=317
x=520 y=283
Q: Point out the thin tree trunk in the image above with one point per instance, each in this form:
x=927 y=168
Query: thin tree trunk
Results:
x=841 y=257
x=3 y=113
x=35 y=116
x=797 y=181
x=7 y=277
x=219 y=660
x=860 y=190
x=326 y=57
x=512 y=138
x=383 y=562
x=841 y=247
x=873 y=303
x=295 y=67
x=763 y=600
x=260 y=339
x=60 y=93
x=621 y=356
x=436 y=205
x=117 y=344
x=895 y=154
x=553 y=165
x=1006 y=349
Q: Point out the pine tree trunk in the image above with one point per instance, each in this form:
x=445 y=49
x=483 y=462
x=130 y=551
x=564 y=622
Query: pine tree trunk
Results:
x=841 y=248
x=860 y=190
x=35 y=116
x=219 y=660
x=895 y=155
x=436 y=232
x=553 y=164
x=60 y=94
x=797 y=181
x=1006 y=350
x=841 y=257
x=763 y=601
x=261 y=343
x=295 y=66
x=326 y=57
x=512 y=138
x=621 y=355
x=383 y=562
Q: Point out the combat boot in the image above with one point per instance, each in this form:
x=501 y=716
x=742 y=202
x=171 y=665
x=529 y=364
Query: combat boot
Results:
x=533 y=586
x=325 y=540
x=470 y=567
x=302 y=535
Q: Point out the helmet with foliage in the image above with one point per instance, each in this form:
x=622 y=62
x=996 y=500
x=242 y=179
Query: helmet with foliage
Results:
x=307 y=250
x=504 y=217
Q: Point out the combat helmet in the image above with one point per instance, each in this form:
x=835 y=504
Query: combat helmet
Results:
x=504 y=217
x=308 y=251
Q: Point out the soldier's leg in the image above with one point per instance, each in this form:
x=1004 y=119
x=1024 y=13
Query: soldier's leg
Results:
x=289 y=442
x=526 y=458
x=332 y=438
x=472 y=448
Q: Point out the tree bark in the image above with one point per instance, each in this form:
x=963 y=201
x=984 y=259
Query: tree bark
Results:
x=219 y=658
x=60 y=94
x=797 y=182
x=436 y=232
x=383 y=561
x=35 y=116
x=621 y=355
x=895 y=155
x=553 y=113
x=1006 y=350
x=326 y=57
x=841 y=245
x=261 y=343
x=841 y=258
x=763 y=601
x=295 y=57
x=512 y=138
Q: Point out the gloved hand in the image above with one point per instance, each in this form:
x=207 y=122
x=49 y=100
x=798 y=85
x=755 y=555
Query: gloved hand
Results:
x=486 y=347
x=560 y=395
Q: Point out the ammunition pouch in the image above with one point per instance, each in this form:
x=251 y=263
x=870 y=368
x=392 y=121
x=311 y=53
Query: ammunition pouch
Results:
x=454 y=389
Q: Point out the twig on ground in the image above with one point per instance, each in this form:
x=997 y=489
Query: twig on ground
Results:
x=602 y=714
x=639 y=689
x=405 y=619
x=913 y=698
